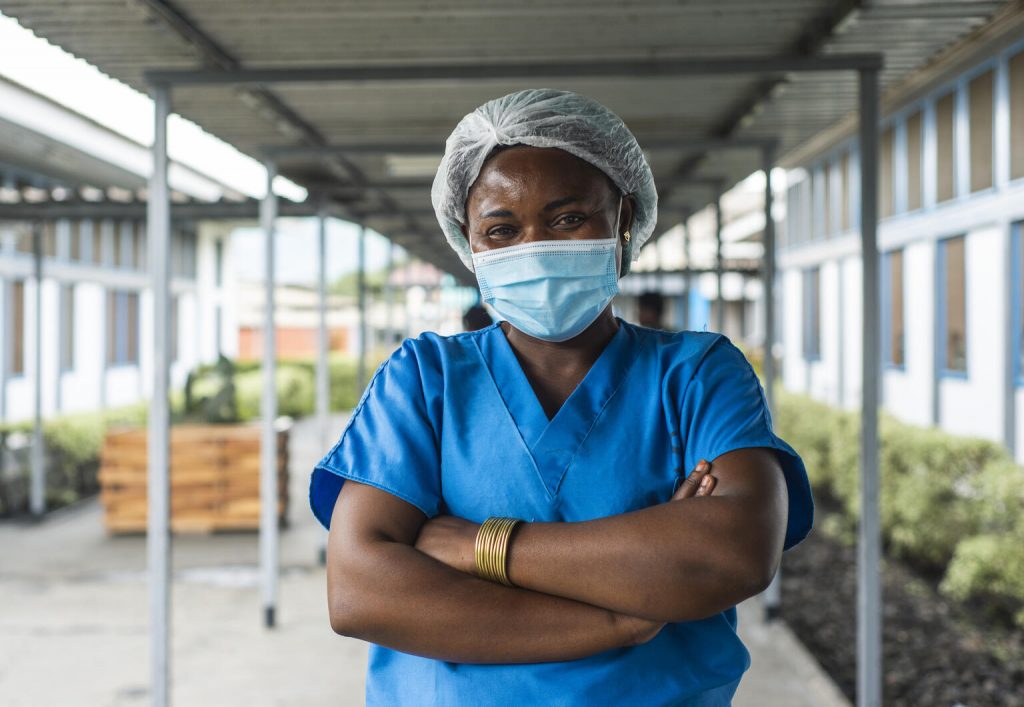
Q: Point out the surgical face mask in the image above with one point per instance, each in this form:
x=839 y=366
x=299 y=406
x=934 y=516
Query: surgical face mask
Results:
x=551 y=290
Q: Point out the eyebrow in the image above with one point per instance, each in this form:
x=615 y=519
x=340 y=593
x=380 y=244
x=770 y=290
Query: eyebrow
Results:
x=550 y=206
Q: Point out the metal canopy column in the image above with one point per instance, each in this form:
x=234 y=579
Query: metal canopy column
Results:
x=322 y=378
x=687 y=274
x=773 y=594
x=361 y=278
x=268 y=444
x=869 y=590
x=37 y=488
x=158 y=544
x=719 y=299
x=389 y=296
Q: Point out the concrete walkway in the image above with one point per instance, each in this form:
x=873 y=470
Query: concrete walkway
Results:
x=74 y=613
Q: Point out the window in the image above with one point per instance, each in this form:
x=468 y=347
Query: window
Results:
x=67 y=327
x=827 y=188
x=844 y=192
x=97 y=242
x=75 y=240
x=979 y=92
x=139 y=245
x=174 y=327
x=122 y=328
x=812 y=314
x=218 y=259
x=885 y=174
x=1018 y=299
x=16 y=352
x=952 y=306
x=1017 y=116
x=49 y=239
x=893 y=308
x=914 y=162
x=23 y=238
x=944 y=148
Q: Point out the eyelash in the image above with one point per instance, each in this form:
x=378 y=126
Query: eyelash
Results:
x=580 y=218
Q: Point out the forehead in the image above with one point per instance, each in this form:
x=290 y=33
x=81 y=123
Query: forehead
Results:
x=522 y=171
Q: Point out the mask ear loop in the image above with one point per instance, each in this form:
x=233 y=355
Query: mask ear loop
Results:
x=625 y=236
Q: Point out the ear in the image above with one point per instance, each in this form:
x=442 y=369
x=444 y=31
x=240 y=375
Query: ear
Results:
x=626 y=213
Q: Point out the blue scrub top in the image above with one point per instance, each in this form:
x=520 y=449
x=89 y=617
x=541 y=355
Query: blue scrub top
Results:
x=452 y=426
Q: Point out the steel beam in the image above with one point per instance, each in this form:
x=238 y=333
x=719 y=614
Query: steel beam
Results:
x=114 y=209
x=158 y=541
x=268 y=445
x=869 y=589
x=436 y=147
x=361 y=282
x=719 y=269
x=772 y=600
x=687 y=271
x=595 y=68
x=37 y=487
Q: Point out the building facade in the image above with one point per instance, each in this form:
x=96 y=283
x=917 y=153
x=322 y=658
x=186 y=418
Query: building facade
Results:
x=951 y=208
x=94 y=300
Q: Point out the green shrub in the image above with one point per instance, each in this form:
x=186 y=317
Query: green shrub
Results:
x=950 y=505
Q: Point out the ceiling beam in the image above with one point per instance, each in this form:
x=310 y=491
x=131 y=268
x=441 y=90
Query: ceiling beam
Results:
x=598 y=68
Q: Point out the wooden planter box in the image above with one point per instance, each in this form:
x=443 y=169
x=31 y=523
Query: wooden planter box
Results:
x=215 y=478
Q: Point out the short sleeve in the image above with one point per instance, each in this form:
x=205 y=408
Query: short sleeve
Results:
x=389 y=442
x=724 y=409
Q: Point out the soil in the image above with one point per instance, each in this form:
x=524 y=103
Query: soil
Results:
x=935 y=651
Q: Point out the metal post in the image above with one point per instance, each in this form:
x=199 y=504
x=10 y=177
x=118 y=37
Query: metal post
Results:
x=773 y=594
x=687 y=277
x=158 y=540
x=322 y=378
x=869 y=590
x=268 y=445
x=37 y=489
x=361 y=278
x=323 y=384
x=389 y=296
x=720 y=299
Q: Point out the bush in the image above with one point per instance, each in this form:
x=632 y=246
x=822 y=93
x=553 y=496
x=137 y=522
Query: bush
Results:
x=950 y=505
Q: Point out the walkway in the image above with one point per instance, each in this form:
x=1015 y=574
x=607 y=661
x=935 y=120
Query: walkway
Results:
x=74 y=620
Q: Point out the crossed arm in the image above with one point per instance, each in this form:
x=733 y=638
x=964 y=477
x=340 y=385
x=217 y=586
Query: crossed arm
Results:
x=400 y=580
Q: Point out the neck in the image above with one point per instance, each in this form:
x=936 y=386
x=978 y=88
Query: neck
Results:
x=585 y=346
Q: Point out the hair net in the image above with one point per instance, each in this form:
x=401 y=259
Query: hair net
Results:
x=543 y=118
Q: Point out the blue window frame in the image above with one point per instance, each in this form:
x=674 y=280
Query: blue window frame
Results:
x=951 y=307
x=1017 y=305
x=893 y=310
x=122 y=328
x=812 y=314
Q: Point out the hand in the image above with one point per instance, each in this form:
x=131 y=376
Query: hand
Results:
x=450 y=540
x=700 y=482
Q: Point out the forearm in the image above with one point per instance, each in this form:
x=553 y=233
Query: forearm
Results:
x=393 y=595
x=666 y=562
x=677 y=561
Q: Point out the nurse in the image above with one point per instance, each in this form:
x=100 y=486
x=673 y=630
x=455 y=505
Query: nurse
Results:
x=509 y=521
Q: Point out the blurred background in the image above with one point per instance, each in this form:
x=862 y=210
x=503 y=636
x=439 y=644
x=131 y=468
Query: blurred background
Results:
x=323 y=124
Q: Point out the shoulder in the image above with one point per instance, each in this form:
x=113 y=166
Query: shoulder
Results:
x=432 y=353
x=685 y=349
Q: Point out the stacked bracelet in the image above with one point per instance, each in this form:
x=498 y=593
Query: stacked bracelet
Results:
x=491 y=549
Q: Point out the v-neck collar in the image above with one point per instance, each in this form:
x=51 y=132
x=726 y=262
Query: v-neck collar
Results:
x=552 y=444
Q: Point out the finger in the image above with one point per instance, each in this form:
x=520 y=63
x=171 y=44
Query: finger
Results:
x=689 y=486
x=707 y=485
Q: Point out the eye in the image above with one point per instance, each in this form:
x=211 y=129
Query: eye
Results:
x=500 y=232
x=570 y=220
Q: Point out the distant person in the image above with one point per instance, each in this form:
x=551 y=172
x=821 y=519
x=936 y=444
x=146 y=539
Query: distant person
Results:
x=523 y=514
x=651 y=309
x=475 y=318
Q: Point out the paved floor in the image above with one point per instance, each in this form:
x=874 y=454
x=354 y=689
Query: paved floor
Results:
x=74 y=613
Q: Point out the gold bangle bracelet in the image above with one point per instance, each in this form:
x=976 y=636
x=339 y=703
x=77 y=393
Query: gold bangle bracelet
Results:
x=491 y=548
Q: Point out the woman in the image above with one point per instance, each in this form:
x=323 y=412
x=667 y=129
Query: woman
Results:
x=611 y=583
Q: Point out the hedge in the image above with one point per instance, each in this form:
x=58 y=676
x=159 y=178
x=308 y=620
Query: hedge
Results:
x=951 y=506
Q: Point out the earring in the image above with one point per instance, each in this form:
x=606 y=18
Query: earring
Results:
x=626 y=236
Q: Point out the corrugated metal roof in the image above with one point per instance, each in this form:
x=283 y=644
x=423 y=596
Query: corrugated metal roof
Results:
x=125 y=39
